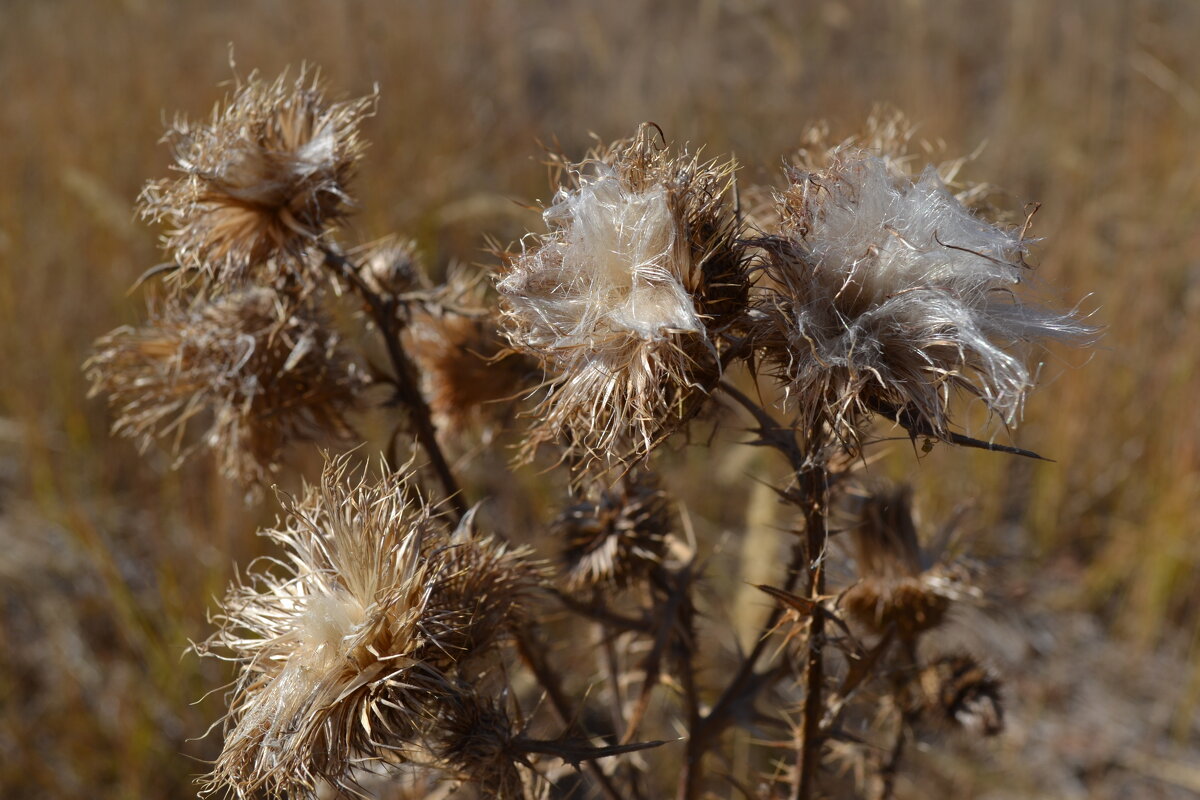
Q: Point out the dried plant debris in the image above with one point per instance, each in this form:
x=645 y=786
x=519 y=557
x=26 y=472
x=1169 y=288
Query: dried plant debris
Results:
x=888 y=296
x=251 y=369
x=617 y=538
x=622 y=299
x=353 y=644
x=261 y=181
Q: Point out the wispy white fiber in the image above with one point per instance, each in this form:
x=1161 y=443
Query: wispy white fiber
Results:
x=894 y=294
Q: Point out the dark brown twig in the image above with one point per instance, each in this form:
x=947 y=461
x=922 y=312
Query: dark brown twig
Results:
x=406 y=377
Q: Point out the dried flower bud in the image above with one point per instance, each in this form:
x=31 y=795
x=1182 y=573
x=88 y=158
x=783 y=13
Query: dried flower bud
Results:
x=476 y=743
x=254 y=372
x=468 y=373
x=618 y=538
x=265 y=178
x=890 y=295
x=360 y=637
x=961 y=690
x=622 y=299
x=901 y=587
x=392 y=268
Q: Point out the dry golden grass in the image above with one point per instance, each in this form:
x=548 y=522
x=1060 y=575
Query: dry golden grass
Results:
x=107 y=561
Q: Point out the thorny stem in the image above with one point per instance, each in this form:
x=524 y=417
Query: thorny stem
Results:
x=410 y=395
x=548 y=679
x=814 y=490
x=812 y=499
x=406 y=377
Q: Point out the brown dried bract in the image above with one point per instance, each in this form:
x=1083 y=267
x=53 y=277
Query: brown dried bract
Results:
x=900 y=588
x=962 y=691
x=468 y=373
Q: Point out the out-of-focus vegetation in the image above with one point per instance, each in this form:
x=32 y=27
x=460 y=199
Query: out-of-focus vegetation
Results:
x=108 y=560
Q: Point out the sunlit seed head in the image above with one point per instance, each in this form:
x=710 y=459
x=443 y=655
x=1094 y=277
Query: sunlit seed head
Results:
x=888 y=295
x=261 y=181
x=621 y=298
x=353 y=643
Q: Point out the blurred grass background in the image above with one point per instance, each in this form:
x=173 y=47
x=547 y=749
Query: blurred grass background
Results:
x=108 y=559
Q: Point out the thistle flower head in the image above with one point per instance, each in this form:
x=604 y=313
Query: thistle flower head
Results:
x=890 y=295
x=350 y=646
x=254 y=372
x=261 y=181
x=901 y=587
x=617 y=538
x=621 y=299
x=476 y=743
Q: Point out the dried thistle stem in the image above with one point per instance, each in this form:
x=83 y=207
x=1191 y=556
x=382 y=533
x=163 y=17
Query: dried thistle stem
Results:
x=814 y=488
x=406 y=377
x=812 y=498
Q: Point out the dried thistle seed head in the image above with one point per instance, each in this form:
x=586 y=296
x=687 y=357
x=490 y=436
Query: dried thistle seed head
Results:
x=890 y=295
x=900 y=587
x=962 y=691
x=618 y=538
x=353 y=641
x=475 y=741
x=392 y=266
x=261 y=181
x=468 y=372
x=622 y=299
x=247 y=368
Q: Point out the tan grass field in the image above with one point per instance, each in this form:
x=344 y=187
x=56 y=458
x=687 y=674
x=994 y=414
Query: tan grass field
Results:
x=109 y=561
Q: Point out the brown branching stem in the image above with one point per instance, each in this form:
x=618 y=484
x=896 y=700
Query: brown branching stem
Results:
x=383 y=313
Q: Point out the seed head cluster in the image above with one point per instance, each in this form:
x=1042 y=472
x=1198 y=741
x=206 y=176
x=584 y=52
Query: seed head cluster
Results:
x=620 y=298
x=261 y=181
x=355 y=648
x=250 y=369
